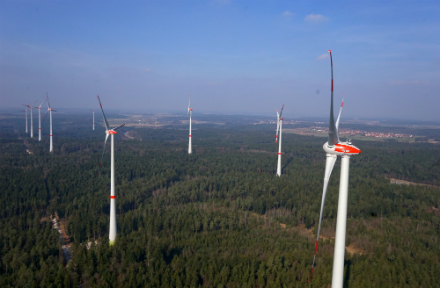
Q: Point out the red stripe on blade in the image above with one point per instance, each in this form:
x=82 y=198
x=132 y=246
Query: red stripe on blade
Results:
x=316 y=247
x=311 y=273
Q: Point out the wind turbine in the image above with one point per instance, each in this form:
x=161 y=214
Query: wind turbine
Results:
x=49 y=109
x=279 y=131
x=190 y=114
x=112 y=132
x=333 y=148
x=93 y=112
x=25 y=112
x=39 y=120
x=32 y=119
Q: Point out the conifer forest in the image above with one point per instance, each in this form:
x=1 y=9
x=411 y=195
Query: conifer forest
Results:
x=219 y=217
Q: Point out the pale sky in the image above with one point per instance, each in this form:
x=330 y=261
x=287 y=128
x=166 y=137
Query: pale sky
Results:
x=240 y=57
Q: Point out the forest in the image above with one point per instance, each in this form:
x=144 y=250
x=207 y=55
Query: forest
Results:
x=217 y=218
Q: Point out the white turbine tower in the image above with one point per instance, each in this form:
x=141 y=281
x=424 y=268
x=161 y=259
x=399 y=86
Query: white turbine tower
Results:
x=190 y=114
x=49 y=109
x=112 y=132
x=333 y=148
x=39 y=120
x=25 y=112
x=279 y=131
x=32 y=119
x=93 y=112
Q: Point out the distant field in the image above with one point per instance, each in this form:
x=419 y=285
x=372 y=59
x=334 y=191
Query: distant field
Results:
x=398 y=139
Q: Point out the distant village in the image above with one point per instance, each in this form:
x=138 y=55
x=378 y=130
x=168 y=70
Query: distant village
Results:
x=365 y=133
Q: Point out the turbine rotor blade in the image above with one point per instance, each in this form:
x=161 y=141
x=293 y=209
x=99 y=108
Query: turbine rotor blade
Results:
x=47 y=98
x=329 y=164
x=34 y=103
x=116 y=128
x=44 y=118
x=105 y=119
x=103 y=151
x=281 y=112
x=278 y=127
x=189 y=106
x=42 y=103
x=340 y=111
x=333 y=138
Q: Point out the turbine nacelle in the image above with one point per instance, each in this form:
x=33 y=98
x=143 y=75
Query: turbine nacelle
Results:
x=341 y=149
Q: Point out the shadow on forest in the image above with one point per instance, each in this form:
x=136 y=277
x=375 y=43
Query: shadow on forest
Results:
x=287 y=163
x=169 y=255
x=347 y=273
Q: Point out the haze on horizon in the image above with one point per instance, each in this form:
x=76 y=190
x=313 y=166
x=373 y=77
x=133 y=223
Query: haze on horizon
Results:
x=233 y=57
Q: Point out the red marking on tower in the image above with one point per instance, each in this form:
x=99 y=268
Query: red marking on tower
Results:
x=50 y=135
x=112 y=197
x=189 y=135
x=279 y=153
